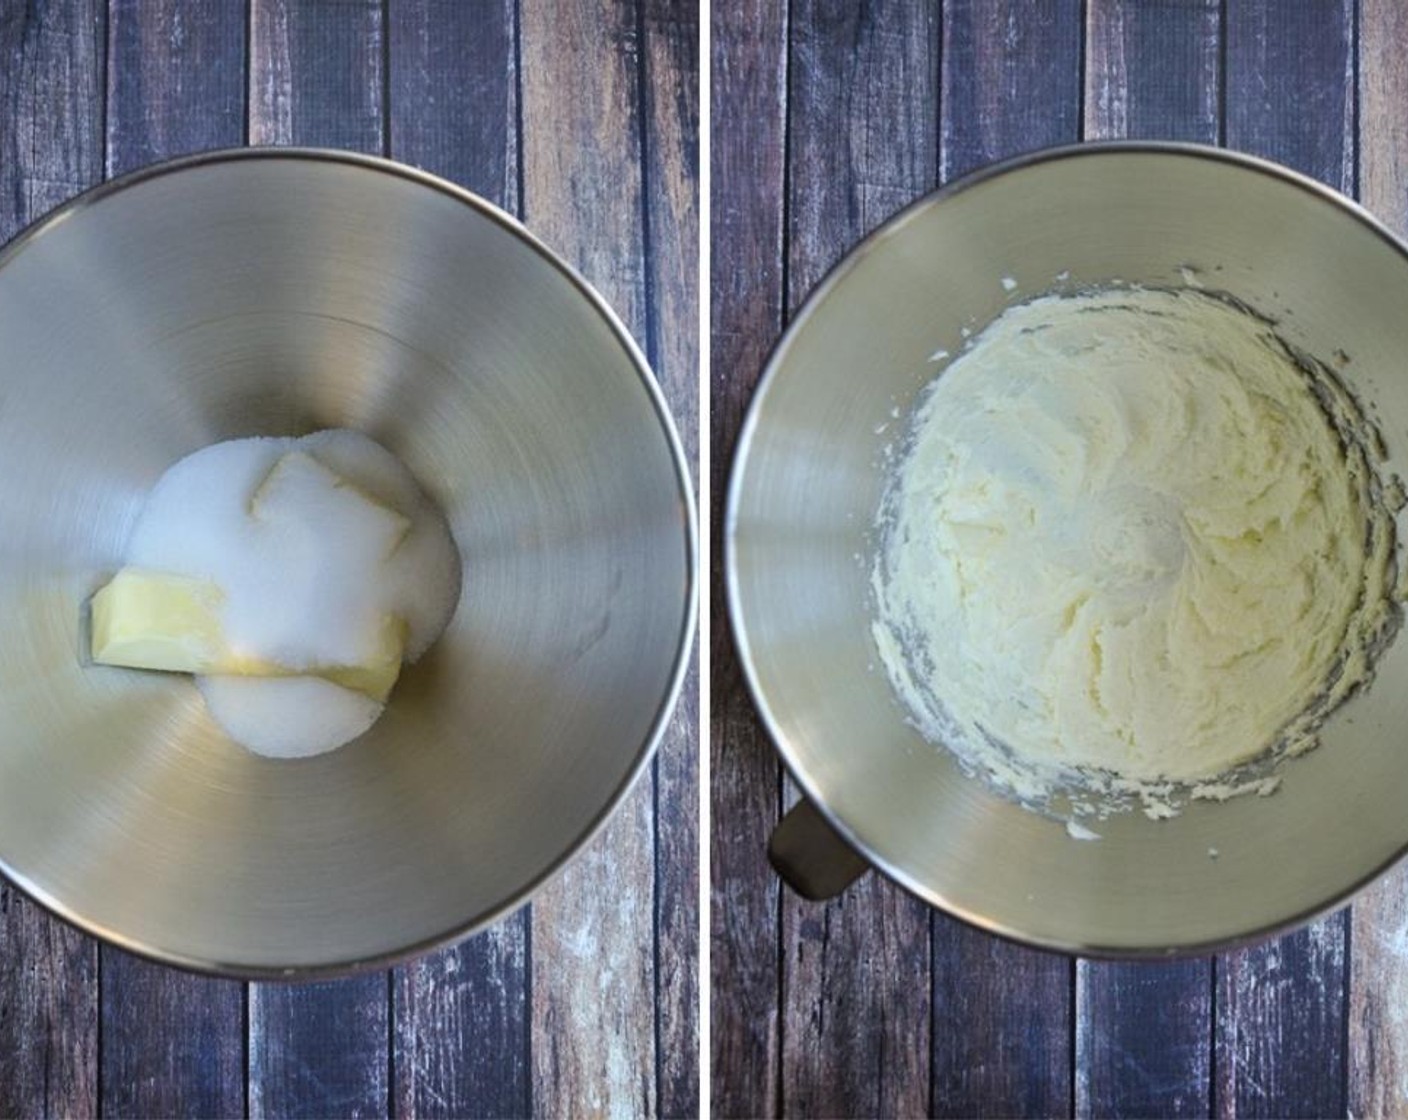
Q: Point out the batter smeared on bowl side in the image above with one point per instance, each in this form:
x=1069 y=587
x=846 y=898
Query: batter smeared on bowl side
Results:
x=1134 y=540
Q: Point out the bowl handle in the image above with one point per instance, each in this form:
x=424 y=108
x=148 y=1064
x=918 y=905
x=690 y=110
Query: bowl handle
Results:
x=810 y=857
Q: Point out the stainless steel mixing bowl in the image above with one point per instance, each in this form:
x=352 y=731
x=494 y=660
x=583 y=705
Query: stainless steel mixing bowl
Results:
x=276 y=293
x=808 y=478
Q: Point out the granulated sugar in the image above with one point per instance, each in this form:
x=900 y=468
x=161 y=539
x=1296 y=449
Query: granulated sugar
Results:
x=316 y=544
x=287 y=717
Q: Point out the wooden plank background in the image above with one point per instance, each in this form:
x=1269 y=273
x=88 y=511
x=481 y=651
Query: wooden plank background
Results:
x=827 y=117
x=582 y=117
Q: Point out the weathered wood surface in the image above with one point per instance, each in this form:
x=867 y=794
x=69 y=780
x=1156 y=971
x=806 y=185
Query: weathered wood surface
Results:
x=1281 y=1008
x=453 y=79
x=462 y=1028
x=317 y=76
x=320 y=1050
x=175 y=79
x=669 y=56
x=1378 y=967
x=517 y=1020
x=51 y=147
x=1290 y=91
x=1280 y=1029
x=1311 y=1024
x=1144 y=1031
x=749 y=125
x=1011 y=79
x=593 y=958
x=1002 y=1027
x=461 y=1015
x=863 y=142
x=1143 y=1039
x=48 y=1014
x=1153 y=70
x=1010 y=83
x=172 y=1044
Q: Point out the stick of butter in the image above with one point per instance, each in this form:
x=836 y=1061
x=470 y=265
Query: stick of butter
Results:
x=156 y=620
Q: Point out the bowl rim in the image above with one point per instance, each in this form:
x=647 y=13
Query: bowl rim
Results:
x=747 y=432
x=27 y=236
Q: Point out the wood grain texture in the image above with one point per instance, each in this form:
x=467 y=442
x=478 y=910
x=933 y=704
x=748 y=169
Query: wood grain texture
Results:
x=316 y=78
x=1144 y=1039
x=454 y=93
x=1290 y=85
x=315 y=74
x=1003 y=1017
x=856 y=1011
x=670 y=153
x=461 y=1021
x=1144 y=1035
x=176 y=79
x=320 y=1050
x=863 y=143
x=593 y=960
x=670 y=118
x=1383 y=111
x=175 y=1044
x=1011 y=79
x=51 y=147
x=1152 y=70
x=1281 y=1008
x=1002 y=1027
x=1378 y=971
x=677 y=962
x=51 y=106
x=1378 y=1000
x=461 y=1028
x=1144 y=1031
x=580 y=85
x=1281 y=1026
x=172 y=1044
x=749 y=69
x=48 y=1014
x=863 y=127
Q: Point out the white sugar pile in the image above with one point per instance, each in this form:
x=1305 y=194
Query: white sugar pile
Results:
x=287 y=717
x=315 y=543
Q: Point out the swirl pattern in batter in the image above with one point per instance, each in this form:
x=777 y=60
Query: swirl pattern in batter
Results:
x=1131 y=535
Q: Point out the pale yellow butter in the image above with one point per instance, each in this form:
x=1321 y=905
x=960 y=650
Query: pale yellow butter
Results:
x=156 y=620
x=1130 y=535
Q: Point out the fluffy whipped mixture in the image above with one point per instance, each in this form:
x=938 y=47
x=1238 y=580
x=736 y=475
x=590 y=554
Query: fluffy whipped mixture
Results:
x=1134 y=539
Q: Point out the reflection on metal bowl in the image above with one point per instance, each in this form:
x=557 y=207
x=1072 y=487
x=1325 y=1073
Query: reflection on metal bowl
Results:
x=808 y=479
x=275 y=293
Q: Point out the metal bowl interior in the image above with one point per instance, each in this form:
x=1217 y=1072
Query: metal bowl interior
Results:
x=264 y=293
x=807 y=481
